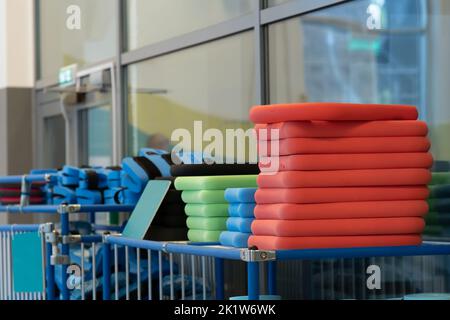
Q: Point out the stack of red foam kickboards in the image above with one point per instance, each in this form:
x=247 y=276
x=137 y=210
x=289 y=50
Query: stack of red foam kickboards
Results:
x=347 y=176
x=10 y=194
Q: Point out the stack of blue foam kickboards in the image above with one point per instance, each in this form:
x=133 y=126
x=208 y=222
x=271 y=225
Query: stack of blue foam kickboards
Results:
x=241 y=211
x=111 y=185
x=135 y=174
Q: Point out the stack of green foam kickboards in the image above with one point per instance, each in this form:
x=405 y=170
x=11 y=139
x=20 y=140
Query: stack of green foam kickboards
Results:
x=206 y=207
x=438 y=218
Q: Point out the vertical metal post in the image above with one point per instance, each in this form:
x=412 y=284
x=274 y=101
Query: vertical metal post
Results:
x=92 y=218
x=138 y=272
x=219 y=273
x=50 y=273
x=65 y=252
x=253 y=280
x=94 y=272
x=272 y=278
x=106 y=271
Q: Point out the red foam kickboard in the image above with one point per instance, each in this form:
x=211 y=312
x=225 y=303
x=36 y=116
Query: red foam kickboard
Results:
x=330 y=195
x=331 y=112
x=346 y=145
x=16 y=200
x=345 y=178
x=338 y=227
x=322 y=162
x=343 y=129
x=342 y=210
x=297 y=243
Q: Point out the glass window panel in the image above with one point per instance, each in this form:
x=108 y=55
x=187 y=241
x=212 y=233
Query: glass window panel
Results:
x=378 y=51
x=54 y=142
x=273 y=3
x=157 y=20
x=213 y=83
x=96 y=136
x=60 y=45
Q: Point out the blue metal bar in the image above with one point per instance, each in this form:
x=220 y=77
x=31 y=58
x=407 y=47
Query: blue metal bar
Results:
x=105 y=208
x=91 y=239
x=108 y=228
x=28 y=178
x=30 y=209
x=217 y=252
x=272 y=278
x=219 y=278
x=50 y=273
x=20 y=228
x=106 y=272
x=427 y=249
x=64 y=251
x=253 y=280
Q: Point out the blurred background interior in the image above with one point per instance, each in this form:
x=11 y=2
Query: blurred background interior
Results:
x=135 y=70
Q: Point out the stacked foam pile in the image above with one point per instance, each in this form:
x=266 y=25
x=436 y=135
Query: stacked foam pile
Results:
x=170 y=220
x=438 y=219
x=348 y=176
x=206 y=208
x=241 y=211
x=10 y=194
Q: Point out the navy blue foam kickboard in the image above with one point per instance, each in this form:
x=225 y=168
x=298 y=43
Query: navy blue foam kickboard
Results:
x=134 y=177
x=146 y=209
x=242 y=210
x=234 y=239
x=240 y=195
x=155 y=156
x=61 y=195
x=89 y=197
x=240 y=225
x=69 y=176
x=93 y=179
x=114 y=178
x=439 y=205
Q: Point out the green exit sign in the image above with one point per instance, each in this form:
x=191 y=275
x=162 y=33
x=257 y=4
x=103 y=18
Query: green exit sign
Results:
x=67 y=76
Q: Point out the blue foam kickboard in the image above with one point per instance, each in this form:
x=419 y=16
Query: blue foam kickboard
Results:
x=27 y=262
x=146 y=209
x=234 y=239
x=240 y=195
x=242 y=210
x=240 y=225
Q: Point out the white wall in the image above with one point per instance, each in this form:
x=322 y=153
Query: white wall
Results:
x=16 y=43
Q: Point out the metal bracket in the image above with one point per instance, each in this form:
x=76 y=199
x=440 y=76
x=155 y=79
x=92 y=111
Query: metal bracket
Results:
x=72 y=208
x=257 y=255
x=52 y=237
x=71 y=239
x=46 y=228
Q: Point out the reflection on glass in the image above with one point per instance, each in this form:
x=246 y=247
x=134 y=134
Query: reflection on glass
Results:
x=272 y=3
x=54 y=142
x=390 y=51
x=213 y=83
x=62 y=43
x=96 y=136
x=156 y=20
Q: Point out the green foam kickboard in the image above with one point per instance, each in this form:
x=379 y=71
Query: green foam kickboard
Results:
x=204 y=236
x=27 y=263
x=204 y=197
x=146 y=209
x=440 y=178
x=207 y=210
x=209 y=224
x=215 y=182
